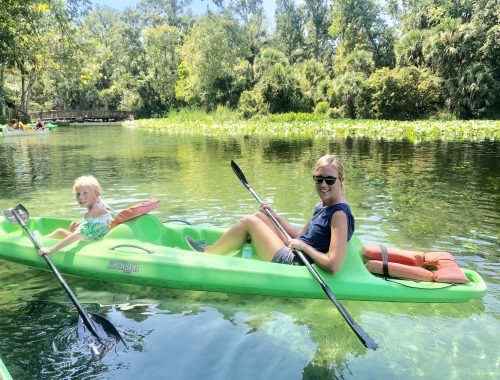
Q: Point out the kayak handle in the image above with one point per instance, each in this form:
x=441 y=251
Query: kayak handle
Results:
x=178 y=221
x=131 y=246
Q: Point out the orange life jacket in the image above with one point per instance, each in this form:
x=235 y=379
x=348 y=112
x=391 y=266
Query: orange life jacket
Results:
x=413 y=265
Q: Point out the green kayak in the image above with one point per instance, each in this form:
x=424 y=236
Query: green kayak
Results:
x=146 y=251
x=4 y=372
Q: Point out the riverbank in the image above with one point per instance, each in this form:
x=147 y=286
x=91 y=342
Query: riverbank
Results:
x=300 y=125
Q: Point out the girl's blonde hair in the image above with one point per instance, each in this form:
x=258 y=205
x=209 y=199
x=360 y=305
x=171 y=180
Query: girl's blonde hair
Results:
x=331 y=160
x=90 y=181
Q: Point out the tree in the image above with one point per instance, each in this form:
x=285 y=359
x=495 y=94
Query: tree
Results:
x=345 y=91
x=401 y=93
x=32 y=34
x=459 y=42
x=289 y=35
x=162 y=12
x=409 y=49
x=267 y=58
x=312 y=76
x=160 y=44
x=211 y=52
x=358 y=24
x=318 y=13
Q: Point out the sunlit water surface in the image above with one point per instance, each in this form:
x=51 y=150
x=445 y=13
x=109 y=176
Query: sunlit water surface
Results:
x=430 y=196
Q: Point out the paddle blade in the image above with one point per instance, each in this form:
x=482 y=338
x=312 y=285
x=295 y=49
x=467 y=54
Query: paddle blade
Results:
x=22 y=215
x=239 y=174
x=104 y=329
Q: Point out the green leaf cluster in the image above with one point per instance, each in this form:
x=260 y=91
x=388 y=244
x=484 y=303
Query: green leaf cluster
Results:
x=343 y=58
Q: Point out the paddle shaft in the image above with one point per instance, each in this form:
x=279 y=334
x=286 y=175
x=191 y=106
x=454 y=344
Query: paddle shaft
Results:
x=86 y=320
x=367 y=341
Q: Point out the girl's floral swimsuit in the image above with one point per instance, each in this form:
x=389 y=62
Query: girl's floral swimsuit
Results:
x=94 y=228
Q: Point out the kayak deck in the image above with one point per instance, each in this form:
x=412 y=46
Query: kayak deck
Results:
x=4 y=372
x=7 y=132
x=145 y=251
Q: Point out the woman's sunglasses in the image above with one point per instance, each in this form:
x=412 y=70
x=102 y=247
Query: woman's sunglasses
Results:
x=329 y=180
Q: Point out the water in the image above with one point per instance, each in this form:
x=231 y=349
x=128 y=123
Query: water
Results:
x=430 y=196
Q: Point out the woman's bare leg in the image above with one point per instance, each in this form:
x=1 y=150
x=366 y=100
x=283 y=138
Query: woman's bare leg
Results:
x=269 y=222
x=264 y=238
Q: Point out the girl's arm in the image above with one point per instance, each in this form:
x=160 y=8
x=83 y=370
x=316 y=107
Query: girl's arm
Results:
x=73 y=226
x=74 y=236
x=331 y=262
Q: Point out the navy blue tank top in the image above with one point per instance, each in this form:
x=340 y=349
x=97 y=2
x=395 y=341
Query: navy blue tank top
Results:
x=319 y=234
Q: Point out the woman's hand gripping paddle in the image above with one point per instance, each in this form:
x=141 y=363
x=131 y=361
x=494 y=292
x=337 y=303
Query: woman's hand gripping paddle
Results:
x=100 y=327
x=367 y=341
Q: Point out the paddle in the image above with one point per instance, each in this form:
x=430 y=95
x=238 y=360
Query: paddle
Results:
x=367 y=341
x=20 y=216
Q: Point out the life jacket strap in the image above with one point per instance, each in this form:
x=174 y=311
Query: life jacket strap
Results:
x=385 y=260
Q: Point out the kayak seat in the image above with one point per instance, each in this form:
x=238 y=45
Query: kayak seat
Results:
x=146 y=228
x=134 y=211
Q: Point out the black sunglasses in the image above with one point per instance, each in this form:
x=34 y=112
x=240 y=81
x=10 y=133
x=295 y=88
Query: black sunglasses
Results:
x=329 y=180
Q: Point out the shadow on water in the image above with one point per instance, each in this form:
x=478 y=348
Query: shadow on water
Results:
x=310 y=334
x=402 y=194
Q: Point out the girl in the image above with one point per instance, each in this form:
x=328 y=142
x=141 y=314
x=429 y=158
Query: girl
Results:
x=96 y=222
x=323 y=239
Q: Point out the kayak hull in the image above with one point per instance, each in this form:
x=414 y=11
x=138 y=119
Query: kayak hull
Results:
x=145 y=251
x=7 y=132
x=4 y=372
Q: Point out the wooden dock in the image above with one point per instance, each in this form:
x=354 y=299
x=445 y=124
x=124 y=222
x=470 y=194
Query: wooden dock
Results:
x=81 y=116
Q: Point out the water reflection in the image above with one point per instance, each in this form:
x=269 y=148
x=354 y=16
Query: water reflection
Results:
x=438 y=195
x=240 y=332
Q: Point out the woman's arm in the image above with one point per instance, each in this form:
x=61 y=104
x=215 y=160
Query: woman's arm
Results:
x=74 y=236
x=331 y=262
x=292 y=230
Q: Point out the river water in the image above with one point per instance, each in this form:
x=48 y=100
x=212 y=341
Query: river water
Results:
x=428 y=196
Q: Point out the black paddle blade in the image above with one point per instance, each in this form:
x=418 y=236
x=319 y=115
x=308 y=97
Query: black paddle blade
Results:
x=107 y=337
x=239 y=174
x=107 y=327
x=21 y=212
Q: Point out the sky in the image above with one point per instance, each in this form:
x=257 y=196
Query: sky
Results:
x=198 y=6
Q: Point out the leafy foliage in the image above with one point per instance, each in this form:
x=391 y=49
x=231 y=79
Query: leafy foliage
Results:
x=401 y=93
x=434 y=57
x=210 y=53
x=320 y=126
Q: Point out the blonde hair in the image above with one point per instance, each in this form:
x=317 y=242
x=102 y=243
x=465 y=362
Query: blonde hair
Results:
x=91 y=182
x=331 y=160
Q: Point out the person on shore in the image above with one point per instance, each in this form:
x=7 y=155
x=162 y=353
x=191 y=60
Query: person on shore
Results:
x=323 y=239
x=95 y=223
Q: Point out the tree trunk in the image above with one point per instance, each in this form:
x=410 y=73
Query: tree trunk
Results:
x=26 y=88
x=23 y=90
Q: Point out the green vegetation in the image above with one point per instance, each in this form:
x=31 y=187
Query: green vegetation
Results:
x=341 y=58
x=301 y=125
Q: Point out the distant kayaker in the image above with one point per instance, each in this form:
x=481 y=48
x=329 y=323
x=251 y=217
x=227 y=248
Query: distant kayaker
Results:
x=20 y=125
x=96 y=221
x=17 y=124
x=39 y=124
x=323 y=239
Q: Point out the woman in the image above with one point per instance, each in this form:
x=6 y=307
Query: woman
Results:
x=323 y=239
